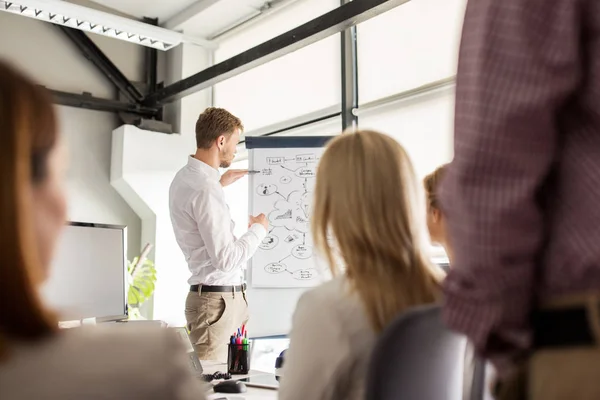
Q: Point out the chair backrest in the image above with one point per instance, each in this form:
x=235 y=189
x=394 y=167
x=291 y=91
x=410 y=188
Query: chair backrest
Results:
x=417 y=358
x=478 y=391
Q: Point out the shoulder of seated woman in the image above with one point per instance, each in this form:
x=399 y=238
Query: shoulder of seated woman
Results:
x=335 y=291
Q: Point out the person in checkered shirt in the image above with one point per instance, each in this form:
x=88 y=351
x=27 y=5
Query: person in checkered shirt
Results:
x=522 y=195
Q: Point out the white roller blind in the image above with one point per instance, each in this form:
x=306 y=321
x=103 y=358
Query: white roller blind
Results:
x=424 y=126
x=296 y=84
x=411 y=45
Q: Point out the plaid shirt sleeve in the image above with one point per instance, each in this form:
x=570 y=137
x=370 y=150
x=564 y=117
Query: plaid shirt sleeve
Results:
x=520 y=62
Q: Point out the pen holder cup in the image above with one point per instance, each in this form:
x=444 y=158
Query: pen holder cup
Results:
x=238 y=358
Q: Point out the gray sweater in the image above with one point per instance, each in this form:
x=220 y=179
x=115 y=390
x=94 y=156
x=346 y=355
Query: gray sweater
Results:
x=330 y=347
x=98 y=363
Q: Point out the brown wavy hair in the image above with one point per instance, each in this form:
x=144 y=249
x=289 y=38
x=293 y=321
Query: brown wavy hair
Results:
x=28 y=133
x=368 y=198
x=431 y=183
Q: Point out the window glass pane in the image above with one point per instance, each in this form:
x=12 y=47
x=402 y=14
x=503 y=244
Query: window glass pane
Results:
x=328 y=127
x=423 y=125
x=411 y=45
x=281 y=21
x=296 y=84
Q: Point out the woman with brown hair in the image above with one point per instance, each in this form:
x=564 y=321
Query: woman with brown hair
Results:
x=436 y=222
x=37 y=360
x=368 y=199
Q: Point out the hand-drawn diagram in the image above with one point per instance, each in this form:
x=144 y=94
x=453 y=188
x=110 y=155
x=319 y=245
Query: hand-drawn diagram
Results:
x=282 y=190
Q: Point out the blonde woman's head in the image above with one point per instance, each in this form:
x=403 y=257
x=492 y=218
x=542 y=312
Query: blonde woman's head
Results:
x=368 y=199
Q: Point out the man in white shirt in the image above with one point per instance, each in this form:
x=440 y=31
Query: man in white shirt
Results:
x=216 y=305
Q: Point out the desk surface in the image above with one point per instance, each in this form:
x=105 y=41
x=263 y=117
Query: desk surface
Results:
x=253 y=393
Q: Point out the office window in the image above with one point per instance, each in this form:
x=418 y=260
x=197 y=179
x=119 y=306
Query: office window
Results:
x=411 y=45
x=281 y=21
x=290 y=86
x=423 y=125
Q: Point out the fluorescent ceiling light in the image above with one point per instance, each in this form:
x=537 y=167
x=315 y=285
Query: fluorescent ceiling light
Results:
x=90 y=20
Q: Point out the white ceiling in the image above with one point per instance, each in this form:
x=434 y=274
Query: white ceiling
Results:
x=215 y=15
x=223 y=14
x=161 y=9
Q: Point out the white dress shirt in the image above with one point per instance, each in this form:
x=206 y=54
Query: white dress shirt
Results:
x=204 y=229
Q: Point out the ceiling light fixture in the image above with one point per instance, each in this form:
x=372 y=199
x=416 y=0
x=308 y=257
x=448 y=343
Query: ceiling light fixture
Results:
x=90 y=20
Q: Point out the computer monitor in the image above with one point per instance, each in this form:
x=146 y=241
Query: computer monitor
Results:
x=88 y=277
x=194 y=361
x=265 y=351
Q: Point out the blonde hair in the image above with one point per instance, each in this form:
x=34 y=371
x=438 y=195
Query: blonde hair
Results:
x=368 y=198
x=431 y=183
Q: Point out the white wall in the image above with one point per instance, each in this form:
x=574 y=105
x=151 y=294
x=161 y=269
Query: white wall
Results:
x=44 y=52
x=91 y=196
x=146 y=189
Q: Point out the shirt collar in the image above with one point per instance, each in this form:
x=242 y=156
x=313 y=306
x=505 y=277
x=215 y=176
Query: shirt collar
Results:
x=199 y=166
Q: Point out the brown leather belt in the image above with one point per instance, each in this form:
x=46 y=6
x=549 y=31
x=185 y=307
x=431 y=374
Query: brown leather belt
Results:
x=215 y=289
x=566 y=327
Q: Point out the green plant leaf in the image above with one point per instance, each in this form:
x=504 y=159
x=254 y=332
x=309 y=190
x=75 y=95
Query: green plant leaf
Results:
x=134 y=313
x=141 y=282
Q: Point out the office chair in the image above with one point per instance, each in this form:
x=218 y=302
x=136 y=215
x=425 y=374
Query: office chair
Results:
x=417 y=358
x=482 y=376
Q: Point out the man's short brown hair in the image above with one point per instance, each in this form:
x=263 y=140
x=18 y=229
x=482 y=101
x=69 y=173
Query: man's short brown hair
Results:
x=214 y=122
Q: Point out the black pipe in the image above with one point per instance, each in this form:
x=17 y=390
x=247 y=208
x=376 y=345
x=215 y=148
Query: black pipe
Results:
x=151 y=61
x=93 y=53
x=95 y=103
x=349 y=75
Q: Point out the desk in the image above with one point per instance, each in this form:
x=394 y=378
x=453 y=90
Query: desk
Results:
x=253 y=393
